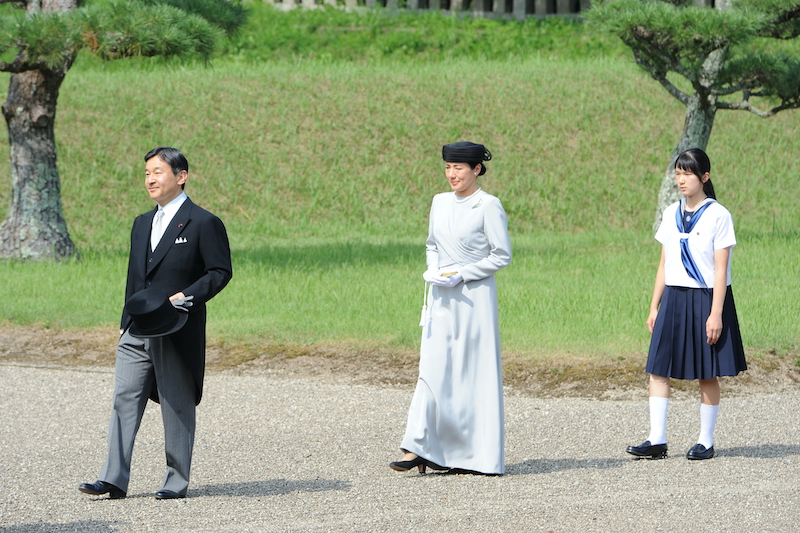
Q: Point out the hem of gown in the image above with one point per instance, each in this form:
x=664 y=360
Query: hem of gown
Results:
x=451 y=469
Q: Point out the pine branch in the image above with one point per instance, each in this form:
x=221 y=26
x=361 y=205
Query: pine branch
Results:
x=745 y=105
x=730 y=89
x=15 y=67
x=673 y=90
x=229 y=15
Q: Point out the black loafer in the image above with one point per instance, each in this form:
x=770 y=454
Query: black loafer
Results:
x=168 y=495
x=699 y=452
x=645 y=449
x=101 y=487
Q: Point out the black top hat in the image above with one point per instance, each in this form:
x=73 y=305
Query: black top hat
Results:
x=153 y=314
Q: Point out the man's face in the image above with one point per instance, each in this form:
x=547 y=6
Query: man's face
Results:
x=161 y=183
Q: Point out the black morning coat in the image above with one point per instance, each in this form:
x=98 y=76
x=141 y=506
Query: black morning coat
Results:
x=193 y=257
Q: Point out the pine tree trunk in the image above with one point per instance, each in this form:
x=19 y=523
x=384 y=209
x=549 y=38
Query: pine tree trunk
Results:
x=700 y=112
x=34 y=227
x=696 y=132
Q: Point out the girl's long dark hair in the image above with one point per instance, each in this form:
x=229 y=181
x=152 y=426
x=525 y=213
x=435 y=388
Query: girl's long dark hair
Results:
x=697 y=162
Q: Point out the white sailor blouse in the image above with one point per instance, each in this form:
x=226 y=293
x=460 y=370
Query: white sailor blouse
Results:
x=710 y=229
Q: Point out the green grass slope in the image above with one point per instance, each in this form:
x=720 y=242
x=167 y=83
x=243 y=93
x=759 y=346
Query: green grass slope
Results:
x=323 y=170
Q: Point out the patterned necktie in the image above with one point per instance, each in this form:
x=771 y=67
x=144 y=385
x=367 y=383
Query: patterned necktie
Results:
x=685 y=227
x=157 y=230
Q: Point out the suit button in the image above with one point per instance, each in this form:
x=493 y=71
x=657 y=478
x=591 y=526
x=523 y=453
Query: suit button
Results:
x=150 y=260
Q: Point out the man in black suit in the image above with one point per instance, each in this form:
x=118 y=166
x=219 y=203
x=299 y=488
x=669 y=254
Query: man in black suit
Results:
x=181 y=250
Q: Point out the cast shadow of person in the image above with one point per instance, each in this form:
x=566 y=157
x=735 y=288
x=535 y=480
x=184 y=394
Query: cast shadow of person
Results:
x=547 y=466
x=761 y=451
x=273 y=487
x=93 y=526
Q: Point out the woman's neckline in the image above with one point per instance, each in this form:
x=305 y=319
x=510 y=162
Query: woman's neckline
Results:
x=461 y=199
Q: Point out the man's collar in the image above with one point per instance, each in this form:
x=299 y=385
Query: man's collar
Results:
x=172 y=207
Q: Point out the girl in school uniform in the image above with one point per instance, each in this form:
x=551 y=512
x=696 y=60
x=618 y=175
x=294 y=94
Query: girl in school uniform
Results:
x=695 y=331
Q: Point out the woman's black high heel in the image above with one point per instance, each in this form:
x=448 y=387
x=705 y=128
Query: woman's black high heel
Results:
x=403 y=466
x=434 y=466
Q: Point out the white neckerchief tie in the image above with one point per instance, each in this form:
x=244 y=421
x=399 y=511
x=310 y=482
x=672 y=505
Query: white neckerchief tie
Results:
x=157 y=230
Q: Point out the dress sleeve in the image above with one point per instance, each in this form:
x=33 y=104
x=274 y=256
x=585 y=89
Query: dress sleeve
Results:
x=495 y=227
x=431 y=250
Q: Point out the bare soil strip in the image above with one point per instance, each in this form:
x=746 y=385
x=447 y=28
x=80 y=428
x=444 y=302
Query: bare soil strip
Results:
x=566 y=376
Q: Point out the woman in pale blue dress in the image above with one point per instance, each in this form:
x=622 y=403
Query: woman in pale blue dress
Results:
x=455 y=420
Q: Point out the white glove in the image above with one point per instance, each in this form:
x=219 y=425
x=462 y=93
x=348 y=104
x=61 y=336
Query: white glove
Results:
x=183 y=304
x=450 y=281
x=428 y=276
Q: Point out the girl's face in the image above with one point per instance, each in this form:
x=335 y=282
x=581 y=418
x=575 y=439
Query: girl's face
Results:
x=688 y=183
x=462 y=178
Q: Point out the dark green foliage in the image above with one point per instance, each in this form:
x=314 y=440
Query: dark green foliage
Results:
x=117 y=29
x=49 y=40
x=662 y=33
x=771 y=75
x=784 y=17
x=130 y=29
x=228 y=15
x=666 y=38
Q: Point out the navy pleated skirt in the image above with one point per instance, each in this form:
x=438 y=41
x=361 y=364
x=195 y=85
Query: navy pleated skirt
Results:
x=678 y=348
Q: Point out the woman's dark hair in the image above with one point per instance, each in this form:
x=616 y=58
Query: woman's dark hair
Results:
x=171 y=156
x=697 y=162
x=475 y=164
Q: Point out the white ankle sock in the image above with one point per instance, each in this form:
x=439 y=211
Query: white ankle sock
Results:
x=708 y=421
x=658 y=420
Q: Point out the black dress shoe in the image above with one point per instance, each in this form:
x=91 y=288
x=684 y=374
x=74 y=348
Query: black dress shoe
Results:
x=101 y=487
x=698 y=451
x=434 y=466
x=168 y=495
x=645 y=449
x=419 y=462
x=402 y=466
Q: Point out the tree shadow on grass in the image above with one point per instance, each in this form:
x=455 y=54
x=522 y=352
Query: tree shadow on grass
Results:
x=273 y=487
x=331 y=254
x=93 y=526
x=547 y=466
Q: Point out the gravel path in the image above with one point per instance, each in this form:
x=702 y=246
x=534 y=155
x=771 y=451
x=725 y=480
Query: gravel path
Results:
x=294 y=454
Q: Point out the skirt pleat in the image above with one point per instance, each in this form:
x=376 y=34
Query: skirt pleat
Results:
x=678 y=347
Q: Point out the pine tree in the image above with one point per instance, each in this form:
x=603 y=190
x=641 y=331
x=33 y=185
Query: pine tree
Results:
x=44 y=37
x=709 y=59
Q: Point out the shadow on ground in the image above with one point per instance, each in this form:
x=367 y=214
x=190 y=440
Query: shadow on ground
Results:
x=94 y=526
x=547 y=466
x=273 y=487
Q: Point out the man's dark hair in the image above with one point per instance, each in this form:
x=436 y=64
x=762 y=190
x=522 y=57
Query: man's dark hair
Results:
x=171 y=156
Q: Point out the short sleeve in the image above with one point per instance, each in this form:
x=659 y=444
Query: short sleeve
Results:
x=724 y=236
x=667 y=217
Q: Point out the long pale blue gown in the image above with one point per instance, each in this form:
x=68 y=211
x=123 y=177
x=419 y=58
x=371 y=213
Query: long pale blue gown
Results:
x=456 y=415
